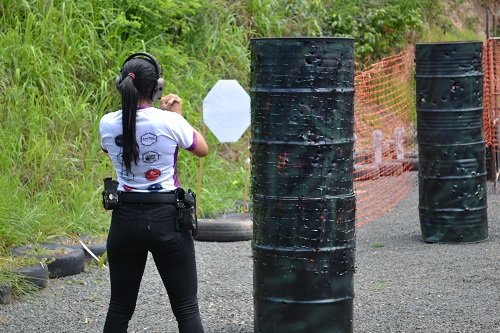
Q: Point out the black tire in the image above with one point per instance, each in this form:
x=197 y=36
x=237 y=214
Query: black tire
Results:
x=227 y=229
x=410 y=164
x=97 y=249
x=364 y=157
x=37 y=274
x=70 y=261
x=5 y=294
x=411 y=155
x=387 y=169
x=366 y=171
x=97 y=245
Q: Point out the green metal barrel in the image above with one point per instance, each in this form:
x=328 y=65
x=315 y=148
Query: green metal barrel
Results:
x=452 y=149
x=302 y=92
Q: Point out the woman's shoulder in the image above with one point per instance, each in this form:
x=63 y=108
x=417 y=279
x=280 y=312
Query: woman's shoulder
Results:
x=167 y=116
x=110 y=121
x=112 y=116
x=157 y=111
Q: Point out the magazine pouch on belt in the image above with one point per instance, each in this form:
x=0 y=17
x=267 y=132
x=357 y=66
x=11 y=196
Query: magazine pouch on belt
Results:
x=110 y=194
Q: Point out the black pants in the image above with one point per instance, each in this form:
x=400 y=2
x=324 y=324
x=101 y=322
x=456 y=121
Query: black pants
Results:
x=135 y=230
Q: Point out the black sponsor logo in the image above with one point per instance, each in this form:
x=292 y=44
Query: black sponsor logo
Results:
x=150 y=157
x=119 y=140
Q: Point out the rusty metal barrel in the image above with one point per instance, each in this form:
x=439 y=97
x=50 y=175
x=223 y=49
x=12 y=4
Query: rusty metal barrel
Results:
x=302 y=93
x=452 y=149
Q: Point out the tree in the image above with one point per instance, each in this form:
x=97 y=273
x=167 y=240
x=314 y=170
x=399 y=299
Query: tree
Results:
x=493 y=9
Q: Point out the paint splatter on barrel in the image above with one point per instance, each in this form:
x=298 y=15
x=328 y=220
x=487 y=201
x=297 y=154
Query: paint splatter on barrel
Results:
x=302 y=92
x=452 y=148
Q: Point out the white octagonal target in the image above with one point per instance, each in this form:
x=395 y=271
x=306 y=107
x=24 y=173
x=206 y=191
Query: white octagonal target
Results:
x=226 y=110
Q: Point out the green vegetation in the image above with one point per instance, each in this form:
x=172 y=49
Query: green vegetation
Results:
x=20 y=285
x=378 y=288
x=10 y=277
x=59 y=60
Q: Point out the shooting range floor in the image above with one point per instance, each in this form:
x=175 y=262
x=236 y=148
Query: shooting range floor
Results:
x=401 y=285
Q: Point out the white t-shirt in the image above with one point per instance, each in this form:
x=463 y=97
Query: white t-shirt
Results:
x=159 y=135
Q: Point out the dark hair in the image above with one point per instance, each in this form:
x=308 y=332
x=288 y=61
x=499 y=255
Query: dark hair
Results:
x=138 y=81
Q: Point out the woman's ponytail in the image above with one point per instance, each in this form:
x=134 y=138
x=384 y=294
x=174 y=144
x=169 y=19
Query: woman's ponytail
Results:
x=137 y=84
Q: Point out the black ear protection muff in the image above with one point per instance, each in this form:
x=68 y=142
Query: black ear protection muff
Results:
x=158 y=90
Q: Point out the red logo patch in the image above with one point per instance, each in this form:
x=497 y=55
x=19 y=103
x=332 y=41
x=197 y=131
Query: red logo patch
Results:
x=153 y=174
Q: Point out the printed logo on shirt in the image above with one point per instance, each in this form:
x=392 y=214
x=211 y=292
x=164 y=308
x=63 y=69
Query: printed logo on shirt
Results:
x=148 y=139
x=127 y=175
x=128 y=188
x=119 y=140
x=152 y=174
x=119 y=157
x=150 y=157
x=155 y=187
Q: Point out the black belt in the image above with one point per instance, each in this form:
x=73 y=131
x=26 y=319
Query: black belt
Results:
x=140 y=197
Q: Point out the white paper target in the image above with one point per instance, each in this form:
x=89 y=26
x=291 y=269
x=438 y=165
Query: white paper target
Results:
x=226 y=110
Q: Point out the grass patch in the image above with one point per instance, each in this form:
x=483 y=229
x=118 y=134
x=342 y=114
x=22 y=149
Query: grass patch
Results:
x=18 y=282
x=10 y=277
x=445 y=33
x=378 y=288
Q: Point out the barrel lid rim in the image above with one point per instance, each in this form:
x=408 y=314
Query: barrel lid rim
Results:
x=451 y=43
x=301 y=38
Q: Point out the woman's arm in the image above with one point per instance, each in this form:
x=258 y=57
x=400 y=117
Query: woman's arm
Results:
x=173 y=103
x=201 y=149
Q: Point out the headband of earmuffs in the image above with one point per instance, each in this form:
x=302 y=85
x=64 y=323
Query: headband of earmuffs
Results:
x=160 y=84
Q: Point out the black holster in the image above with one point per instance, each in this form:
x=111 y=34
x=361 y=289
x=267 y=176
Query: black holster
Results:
x=186 y=211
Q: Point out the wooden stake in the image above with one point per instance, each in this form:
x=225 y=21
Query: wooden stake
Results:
x=200 y=172
x=247 y=167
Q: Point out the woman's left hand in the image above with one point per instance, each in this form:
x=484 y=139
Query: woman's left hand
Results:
x=172 y=103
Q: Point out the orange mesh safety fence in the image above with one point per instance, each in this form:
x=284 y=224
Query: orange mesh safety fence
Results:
x=491 y=69
x=385 y=127
x=386 y=149
x=386 y=140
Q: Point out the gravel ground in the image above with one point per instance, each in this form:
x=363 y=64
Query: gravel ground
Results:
x=405 y=285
